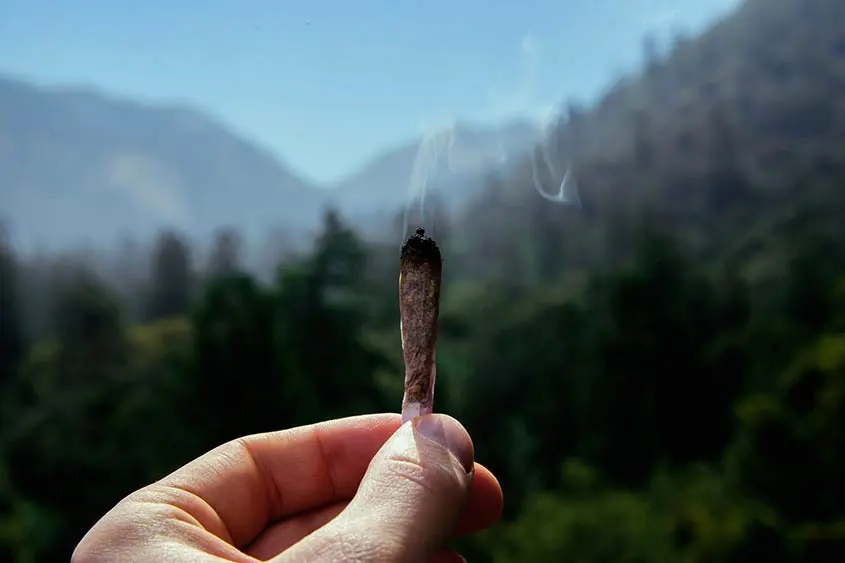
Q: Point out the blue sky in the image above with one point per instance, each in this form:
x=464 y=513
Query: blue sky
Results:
x=326 y=84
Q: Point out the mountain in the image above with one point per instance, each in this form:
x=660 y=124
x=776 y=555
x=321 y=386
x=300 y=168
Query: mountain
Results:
x=451 y=162
x=702 y=132
x=734 y=133
x=77 y=164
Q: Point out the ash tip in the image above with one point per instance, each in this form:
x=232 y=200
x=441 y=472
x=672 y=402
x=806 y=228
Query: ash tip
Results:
x=421 y=248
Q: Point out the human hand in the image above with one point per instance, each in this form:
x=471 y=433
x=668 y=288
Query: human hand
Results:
x=353 y=489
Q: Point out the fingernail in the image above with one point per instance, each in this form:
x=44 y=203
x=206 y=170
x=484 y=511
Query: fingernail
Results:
x=450 y=434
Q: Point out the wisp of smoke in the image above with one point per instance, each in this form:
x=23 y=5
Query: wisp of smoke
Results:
x=441 y=143
x=440 y=151
x=425 y=167
x=566 y=190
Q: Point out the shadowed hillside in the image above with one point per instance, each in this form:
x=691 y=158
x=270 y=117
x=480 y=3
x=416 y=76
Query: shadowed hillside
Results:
x=729 y=135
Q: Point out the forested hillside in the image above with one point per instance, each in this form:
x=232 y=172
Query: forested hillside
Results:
x=727 y=139
x=654 y=375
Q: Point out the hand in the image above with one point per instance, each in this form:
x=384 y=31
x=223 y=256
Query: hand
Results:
x=354 y=489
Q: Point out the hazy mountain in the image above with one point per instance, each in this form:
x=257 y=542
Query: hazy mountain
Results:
x=76 y=164
x=452 y=163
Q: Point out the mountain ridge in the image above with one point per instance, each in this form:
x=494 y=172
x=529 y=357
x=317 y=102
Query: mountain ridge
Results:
x=79 y=164
x=82 y=163
x=453 y=160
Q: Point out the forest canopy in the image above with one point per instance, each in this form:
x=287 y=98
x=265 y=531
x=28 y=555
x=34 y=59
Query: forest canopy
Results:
x=657 y=374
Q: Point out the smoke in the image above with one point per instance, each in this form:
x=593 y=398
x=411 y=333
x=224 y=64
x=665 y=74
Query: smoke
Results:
x=567 y=192
x=440 y=150
x=435 y=142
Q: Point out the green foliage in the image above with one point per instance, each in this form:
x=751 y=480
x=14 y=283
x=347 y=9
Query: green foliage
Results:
x=802 y=419
x=607 y=527
x=691 y=516
x=234 y=338
x=12 y=346
x=656 y=375
x=320 y=316
x=172 y=278
x=642 y=411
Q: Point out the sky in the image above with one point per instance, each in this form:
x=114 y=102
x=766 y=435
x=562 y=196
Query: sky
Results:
x=327 y=84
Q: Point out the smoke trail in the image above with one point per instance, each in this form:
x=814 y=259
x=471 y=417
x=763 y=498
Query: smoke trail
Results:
x=440 y=151
x=440 y=143
x=561 y=188
x=567 y=192
x=434 y=141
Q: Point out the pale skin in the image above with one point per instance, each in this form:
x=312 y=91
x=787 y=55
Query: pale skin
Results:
x=354 y=489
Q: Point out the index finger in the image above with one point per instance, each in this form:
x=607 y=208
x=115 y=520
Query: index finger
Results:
x=235 y=490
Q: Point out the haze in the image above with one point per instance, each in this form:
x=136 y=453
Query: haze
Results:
x=328 y=84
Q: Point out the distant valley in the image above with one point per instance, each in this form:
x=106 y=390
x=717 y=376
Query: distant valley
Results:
x=80 y=167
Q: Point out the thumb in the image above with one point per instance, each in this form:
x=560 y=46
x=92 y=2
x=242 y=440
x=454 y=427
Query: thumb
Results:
x=409 y=501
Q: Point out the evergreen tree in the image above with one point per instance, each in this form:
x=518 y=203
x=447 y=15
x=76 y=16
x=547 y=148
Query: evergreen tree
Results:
x=171 y=278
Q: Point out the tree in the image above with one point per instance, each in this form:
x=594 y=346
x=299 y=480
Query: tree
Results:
x=800 y=419
x=88 y=324
x=726 y=180
x=653 y=351
x=131 y=265
x=225 y=258
x=236 y=375
x=650 y=51
x=11 y=322
x=171 y=278
x=339 y=258
x=325 y=362
x=70 y=390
